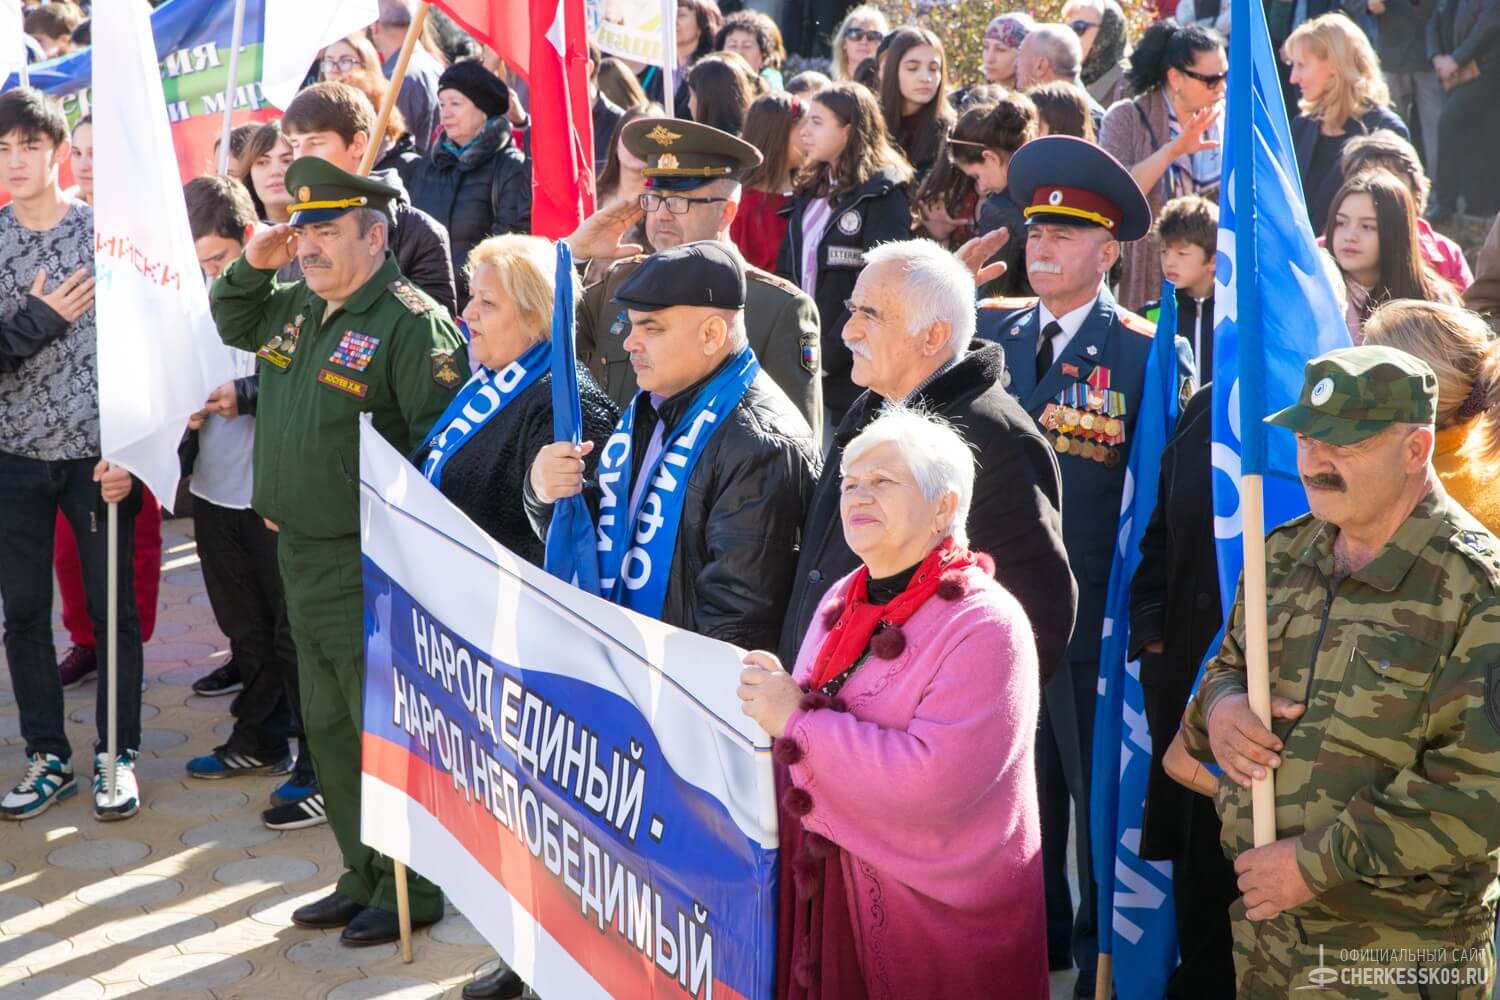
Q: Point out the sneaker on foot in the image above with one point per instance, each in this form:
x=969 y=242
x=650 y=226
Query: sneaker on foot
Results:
x=294 y=789
x=222 y=680
x=78 y=667
x=127 y=798
x=226 y=763
x=297 y=815
x=48 y=779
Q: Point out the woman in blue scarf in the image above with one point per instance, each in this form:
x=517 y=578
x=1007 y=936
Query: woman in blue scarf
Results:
x=480 y=449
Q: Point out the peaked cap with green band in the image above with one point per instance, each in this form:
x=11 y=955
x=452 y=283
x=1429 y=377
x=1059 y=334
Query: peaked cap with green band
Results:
x=1353 y=393
x=321 y=191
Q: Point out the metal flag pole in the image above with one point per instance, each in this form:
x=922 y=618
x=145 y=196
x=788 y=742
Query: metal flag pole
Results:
x=669 y=57
x=230 y=85
x=111 y=651
x=398 y=75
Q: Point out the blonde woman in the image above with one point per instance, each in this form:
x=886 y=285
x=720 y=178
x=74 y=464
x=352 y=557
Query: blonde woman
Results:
x=1343 y=95
x=1457 y=345
x=856 y=38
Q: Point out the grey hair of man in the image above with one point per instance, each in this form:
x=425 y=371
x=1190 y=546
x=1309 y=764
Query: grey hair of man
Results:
x=941 y=461
x=367 y=219
x=395 y=13
x=935 y=288
x=1059 y=43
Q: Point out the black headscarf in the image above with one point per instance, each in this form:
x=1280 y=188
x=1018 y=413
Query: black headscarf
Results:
x=1109 y=45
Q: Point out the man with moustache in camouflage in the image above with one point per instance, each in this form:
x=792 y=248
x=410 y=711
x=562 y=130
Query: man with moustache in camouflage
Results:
x=1384 y=640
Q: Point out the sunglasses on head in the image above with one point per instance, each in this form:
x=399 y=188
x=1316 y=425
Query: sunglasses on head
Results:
x=1207 y=79
x=1081 y=26
x=863 y=34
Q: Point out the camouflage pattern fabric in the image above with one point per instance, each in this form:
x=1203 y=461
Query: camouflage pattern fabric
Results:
x=1355 y=392
x=1391 y=778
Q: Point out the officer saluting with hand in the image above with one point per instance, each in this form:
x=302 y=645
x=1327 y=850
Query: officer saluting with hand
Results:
x=1075 y=359
x=352 y=337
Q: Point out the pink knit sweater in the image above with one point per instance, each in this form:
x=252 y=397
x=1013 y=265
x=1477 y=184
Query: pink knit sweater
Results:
x=928 y=784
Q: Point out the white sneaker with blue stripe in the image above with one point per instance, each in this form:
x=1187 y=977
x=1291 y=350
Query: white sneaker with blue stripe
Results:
x=48 y=779
x=127 y=798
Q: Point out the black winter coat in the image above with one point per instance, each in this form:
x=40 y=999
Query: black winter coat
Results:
x=877 y=211
x=731 y=574
x=402 y=157
x=1319 y=191
x=486 y=478
x=483 y=191
x=1015 y=513
x=1174 y=599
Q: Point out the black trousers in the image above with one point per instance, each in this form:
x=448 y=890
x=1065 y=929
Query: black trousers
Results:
x=1064 y=747
x=1467 y=134
x=1203 y=887
x=243 y=581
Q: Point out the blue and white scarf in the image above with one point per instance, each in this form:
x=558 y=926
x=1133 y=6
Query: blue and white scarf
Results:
x=635 y=553
x=482 y=397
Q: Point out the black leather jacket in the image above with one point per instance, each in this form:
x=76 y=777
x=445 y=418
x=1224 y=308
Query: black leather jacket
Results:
x=736 y=554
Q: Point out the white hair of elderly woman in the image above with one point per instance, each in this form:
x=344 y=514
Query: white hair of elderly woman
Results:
x=935 y=287
x=941 y=461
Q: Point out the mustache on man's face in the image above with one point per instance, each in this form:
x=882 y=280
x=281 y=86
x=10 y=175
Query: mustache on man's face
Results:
x=1326 y=481
x=1043 y=267
x=315 y=260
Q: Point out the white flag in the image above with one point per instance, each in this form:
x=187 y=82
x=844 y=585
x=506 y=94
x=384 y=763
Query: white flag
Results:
x=12 y=39
x=159 y=354
x=296 y=31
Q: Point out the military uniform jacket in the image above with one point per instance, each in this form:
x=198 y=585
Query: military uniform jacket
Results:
x=780 y=321
x=1391 y=777
x=1120 y=342
x=391 y=351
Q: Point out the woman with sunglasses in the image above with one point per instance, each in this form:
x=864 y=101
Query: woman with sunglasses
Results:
x=1343 y=95
x=1105 y=38
x=856 y=38
x=1168 y=134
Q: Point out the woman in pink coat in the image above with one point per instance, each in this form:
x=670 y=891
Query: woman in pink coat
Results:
x=910 y=844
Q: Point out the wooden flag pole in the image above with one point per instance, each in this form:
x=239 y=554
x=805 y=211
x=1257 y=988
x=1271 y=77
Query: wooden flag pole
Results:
x=403 y=911
x=1257 y=661
x=413 y=32
x=1104 y=974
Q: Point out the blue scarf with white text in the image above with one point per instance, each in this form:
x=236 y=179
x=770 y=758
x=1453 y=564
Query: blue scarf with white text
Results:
x=482 y=397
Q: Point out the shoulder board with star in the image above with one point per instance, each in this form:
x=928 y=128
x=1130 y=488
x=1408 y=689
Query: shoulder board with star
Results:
x=1008 y=303
x=409 y=297
x=767 y=278
x=1136 y=323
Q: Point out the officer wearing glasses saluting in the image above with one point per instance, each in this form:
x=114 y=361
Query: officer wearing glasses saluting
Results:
x=693 y=193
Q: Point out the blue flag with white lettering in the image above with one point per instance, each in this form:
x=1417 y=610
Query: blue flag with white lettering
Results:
x=1274 y=297
x=1136 y=919
x=571 y=553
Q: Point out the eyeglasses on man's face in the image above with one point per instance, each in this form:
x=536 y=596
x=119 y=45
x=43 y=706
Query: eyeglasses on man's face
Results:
x=677 y=204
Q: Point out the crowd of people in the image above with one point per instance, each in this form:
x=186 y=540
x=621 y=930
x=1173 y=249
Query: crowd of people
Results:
x=917 y=310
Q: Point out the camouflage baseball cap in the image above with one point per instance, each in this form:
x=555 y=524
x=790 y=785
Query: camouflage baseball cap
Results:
x=1355 y=392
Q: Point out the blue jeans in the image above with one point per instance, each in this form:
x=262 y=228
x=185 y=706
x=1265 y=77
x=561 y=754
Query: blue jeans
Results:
x=31 y=493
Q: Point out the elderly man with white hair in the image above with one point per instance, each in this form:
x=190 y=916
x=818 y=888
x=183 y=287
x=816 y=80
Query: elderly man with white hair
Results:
x=1052 y=52
x=904 y=742
x=910 y=330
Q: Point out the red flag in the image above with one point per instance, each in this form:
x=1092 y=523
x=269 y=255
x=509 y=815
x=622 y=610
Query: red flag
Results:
x=546 y=42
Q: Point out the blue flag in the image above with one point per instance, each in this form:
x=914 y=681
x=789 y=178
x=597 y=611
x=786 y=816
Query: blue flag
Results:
x=571 y=554
x=1136 y=919
x=1275 y=301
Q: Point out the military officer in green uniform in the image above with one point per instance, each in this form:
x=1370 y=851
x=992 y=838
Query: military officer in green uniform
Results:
x=352 y=337
x=693 y=194
x=1384 y=640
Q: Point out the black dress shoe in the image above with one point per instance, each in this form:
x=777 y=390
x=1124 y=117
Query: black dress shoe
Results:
x=334 y=910
x=501 y=984
x=376 y=926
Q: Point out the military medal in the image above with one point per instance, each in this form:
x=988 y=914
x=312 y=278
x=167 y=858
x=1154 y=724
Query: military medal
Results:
x=1062 y=444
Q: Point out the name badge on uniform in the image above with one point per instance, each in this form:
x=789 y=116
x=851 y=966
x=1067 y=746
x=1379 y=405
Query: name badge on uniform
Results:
x=355 y=350
x=846 y=257
x=343 y=383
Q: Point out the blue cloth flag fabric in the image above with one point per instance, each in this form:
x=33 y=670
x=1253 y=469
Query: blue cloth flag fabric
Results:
x=1136 y=920
x=1275 y=298
x=570 y=538
x=482 y=397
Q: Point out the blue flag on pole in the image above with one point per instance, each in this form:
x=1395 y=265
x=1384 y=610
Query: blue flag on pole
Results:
x=1137 y=925
x=571 y=554
x=1283 y=313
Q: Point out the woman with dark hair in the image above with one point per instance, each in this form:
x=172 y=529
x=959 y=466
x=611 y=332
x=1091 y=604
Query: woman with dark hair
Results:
x=983 y=141
x=1167 y=135
x=721 y=87
x=754 y=37
x=1062 y=109
x=1344 y=95
x=851 y=194
x=1105 y=39
x=697 y=23
x=616 y=82
x=621 y=181
x=914 y=95
x=759 y=228
x=269 y=154
x=1372 y=235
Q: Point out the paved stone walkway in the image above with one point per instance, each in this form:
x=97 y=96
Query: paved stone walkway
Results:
x=192 y=897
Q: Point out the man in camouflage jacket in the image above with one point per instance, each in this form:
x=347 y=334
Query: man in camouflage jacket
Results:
x=1384 y=643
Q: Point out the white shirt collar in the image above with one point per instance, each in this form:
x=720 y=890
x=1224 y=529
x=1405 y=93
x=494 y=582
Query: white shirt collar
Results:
x=1070 y=322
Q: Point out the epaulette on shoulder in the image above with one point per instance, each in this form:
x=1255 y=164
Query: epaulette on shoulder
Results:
x=633 y=260
x=1008 y=303
x=1136 y=323
x=774 y=280
x=415 y=302
x=1478 y=546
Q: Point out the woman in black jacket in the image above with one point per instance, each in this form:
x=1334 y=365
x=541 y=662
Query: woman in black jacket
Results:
x=1463 y=43
x=850 y=196
x=474 y=181
x=983 y=142
x=479 y=451
x=1343 y=95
